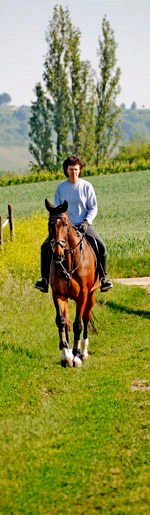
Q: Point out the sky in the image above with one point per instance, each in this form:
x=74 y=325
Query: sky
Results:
x=23 y=47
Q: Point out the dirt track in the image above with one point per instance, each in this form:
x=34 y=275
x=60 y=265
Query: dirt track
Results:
x=144 y=282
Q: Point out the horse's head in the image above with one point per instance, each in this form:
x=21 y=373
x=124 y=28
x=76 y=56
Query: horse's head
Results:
x=58 y=228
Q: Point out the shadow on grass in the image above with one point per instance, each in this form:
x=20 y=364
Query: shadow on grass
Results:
x=123 y=309
x=17 y=349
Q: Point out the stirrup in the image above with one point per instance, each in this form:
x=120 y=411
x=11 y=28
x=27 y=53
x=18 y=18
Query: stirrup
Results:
x=105 y=284
x=42 y=285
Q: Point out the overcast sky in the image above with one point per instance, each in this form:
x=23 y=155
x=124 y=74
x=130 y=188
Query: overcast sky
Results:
x=23 y=24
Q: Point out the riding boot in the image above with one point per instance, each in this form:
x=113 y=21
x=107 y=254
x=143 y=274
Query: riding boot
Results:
x=105 y=283
x=46 y=255
x=102 y=265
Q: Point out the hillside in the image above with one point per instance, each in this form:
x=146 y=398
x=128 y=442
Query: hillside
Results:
x=136 y=121
x=14 y=129
x=14 y=139
x=14 y=125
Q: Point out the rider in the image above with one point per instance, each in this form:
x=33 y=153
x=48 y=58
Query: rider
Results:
x=82 y=209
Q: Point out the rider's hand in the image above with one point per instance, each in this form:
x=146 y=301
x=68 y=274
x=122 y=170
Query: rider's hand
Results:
x=83 y=226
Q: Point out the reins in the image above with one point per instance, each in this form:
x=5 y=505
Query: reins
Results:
x=68 y=250
x=69 y=274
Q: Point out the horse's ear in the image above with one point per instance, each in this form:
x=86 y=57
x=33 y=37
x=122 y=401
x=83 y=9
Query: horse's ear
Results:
x=65 y=206
x=62 y=208
x=48 y=205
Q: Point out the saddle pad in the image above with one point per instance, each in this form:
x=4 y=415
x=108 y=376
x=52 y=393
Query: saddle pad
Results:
x=94 y=247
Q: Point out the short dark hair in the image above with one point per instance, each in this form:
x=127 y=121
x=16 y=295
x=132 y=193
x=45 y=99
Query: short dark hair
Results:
x=72 y=160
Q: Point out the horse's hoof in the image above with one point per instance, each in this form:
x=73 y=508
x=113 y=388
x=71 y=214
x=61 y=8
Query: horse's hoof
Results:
x=77 y=362
x=84 y=355
x=66 y=357
x=63 y=363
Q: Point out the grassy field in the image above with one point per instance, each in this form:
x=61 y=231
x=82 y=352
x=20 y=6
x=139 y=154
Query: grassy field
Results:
x=122 y=220
x=76 y=441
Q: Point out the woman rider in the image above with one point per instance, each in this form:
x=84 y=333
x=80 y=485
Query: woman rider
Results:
x=82 y=209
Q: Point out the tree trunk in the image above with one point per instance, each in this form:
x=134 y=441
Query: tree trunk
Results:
x=58 y=146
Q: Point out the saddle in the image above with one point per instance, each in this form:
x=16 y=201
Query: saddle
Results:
x=93 y=246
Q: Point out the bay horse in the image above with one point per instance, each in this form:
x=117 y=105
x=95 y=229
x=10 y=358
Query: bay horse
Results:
x=72 y=275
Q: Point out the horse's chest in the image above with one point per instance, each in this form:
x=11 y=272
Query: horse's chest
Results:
x=66 y=286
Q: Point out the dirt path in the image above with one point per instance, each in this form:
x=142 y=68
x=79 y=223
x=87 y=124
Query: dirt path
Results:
x=144 y=282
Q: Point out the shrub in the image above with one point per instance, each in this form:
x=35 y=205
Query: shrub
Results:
x=109 y=167
x=21 y=257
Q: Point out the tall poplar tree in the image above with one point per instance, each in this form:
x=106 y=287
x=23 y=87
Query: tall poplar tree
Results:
x=82 y=99
x=41 y=129
x=56 y=76
x=69 y=106
x=70 y=84
x=107 y=128
x=88 y=115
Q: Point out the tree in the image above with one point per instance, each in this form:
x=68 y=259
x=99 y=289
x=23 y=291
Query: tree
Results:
x=70 y=85
x=41 y=129
x=21 y=113
x=82 y=91
x=108 y=128
x=123 y=106
x=133 y=105
x=55 y=76
x=5 y=98
x=71 y=93
x=88 y=133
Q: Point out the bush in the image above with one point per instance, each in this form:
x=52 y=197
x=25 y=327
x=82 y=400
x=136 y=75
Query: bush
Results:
x=107 y=168
x=138 y=148
x=24 y=261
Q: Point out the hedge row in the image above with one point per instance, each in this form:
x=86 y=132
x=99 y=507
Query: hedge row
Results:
x=110 y=167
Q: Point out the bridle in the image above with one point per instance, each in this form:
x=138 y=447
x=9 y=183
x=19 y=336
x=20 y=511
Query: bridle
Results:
x=63 y=244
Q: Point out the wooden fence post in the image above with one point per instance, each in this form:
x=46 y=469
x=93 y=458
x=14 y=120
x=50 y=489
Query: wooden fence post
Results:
x=11 y=220
x=1 y=232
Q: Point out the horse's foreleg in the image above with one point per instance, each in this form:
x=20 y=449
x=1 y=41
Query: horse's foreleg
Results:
x=64 y=326
x=77 y=326
x=68 y=326
x=86 y=320
x=61 y=324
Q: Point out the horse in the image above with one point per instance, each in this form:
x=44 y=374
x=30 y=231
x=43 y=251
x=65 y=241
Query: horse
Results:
x=72 y=275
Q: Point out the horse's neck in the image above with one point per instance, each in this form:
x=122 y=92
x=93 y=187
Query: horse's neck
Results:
x=73 y=238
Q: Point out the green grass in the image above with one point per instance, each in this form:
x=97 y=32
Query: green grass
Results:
x=74 y=441
x=122 y=220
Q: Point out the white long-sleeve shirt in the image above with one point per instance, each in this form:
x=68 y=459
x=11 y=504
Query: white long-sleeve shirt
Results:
x=81 y=200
